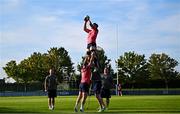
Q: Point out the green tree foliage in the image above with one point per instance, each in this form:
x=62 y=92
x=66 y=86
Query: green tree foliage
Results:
x=61 y=62
x=178 y=76
x=102 y=58
x=11 y=70
x=132 y=68
x=161 y=66
x=36 y=67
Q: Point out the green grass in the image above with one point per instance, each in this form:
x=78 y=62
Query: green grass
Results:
x=119 y=105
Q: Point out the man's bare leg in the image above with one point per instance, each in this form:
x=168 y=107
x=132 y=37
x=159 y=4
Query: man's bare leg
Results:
x=52 y=103
x=101 y=103
x=84 y=96
x=77 y=101
x=49 y=103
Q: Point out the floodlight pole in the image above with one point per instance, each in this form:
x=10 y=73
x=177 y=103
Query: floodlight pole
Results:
x=117 y=93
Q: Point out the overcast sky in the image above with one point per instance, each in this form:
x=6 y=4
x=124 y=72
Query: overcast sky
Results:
x=143 y=26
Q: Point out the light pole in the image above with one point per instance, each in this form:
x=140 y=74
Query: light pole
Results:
x=117 y=60
x=117 y=82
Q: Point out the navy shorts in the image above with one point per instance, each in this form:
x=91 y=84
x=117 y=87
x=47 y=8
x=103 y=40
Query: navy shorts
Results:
x=84 y=87
x=52 y=93
x=91 y=45
x=105 y=93
x=97 y=87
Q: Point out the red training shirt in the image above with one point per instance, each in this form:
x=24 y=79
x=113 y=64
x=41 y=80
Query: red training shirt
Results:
x=86 y=74
x=92 y=35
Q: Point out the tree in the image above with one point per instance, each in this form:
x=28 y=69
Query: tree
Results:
x=59 y=59
x=161 y=66
x=20 y=73
x=24 y=73
x=132 y=68
x=11 y=70
x=36 y=67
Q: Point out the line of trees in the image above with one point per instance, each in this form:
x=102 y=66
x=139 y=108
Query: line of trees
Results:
x=132 y=67
x=35 y=68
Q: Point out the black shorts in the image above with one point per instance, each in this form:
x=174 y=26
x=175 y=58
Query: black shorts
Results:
x=91 y=45
x=52 y=93
x=105 y=93
x=97 y=87
x=84 y=87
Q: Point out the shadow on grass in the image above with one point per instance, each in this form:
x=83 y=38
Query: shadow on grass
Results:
x=12 y=110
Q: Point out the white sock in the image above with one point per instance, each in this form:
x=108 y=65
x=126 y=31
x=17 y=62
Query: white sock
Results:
x=50 y=107
x=82 y=107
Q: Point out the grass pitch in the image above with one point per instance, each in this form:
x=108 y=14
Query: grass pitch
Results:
x=118 y=105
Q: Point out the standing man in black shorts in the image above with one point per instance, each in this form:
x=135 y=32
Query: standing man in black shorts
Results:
x=107 y=84
x=97 y=84
x=50 y=86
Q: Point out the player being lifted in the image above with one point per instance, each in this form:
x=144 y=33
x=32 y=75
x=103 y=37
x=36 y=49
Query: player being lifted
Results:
x=92 y=36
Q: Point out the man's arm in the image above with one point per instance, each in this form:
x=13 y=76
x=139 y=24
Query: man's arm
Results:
x=90 y=23
x=45 y=84
x=85 y=27
x=92 y=58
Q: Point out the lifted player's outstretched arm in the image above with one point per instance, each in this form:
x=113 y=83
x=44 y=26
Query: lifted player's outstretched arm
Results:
x=86 y=19
x=90 y=23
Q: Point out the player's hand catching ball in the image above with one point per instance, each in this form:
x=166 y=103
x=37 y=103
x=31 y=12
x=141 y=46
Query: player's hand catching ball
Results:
x=86 y=18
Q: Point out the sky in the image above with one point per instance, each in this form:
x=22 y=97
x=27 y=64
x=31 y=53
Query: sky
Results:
x=142 y=26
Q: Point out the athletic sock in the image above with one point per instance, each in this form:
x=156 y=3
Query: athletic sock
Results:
x=82 y=108
x=50 y=107
x=103 y=108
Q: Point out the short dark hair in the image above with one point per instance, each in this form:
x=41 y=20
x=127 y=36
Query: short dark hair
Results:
x=95 y=24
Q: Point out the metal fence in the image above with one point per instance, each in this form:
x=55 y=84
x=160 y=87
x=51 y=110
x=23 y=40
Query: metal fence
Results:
x=75 y=92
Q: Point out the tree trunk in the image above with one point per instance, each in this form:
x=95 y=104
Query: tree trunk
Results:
x=25 y=87
x=166 y=84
